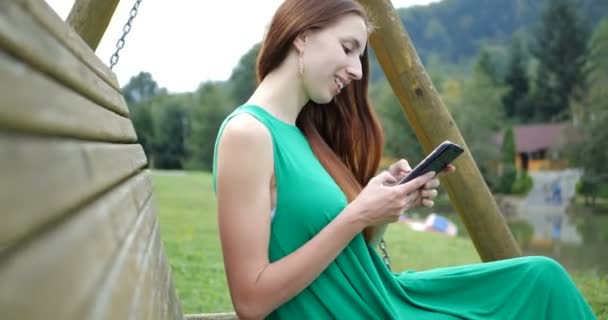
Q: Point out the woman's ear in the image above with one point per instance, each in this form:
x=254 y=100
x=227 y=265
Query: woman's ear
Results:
x=300 y=41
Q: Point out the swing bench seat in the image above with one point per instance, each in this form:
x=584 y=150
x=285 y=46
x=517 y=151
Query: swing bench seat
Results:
x=79 y=238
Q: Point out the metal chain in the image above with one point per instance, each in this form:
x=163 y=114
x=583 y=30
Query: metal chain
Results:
x=125 y=30
x=385 y=258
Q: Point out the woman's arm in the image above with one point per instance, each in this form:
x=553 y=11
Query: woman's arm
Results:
x=245 y=166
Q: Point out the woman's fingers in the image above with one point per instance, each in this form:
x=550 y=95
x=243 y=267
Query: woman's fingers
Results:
x=447 y=170
x=385 y=178
x=432 y=184
x=412 y=200
x=400 y=169
x=429 y=194
x=416 y=184
x=428 y=203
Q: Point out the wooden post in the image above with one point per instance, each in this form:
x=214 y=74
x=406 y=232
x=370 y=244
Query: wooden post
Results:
x=433 y=124
x=90 y=18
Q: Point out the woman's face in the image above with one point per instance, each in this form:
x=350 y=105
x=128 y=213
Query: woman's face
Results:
x=332 y=57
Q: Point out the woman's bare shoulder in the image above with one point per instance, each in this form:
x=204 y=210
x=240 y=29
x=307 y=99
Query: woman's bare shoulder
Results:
x=245 y=129
x=246 y=140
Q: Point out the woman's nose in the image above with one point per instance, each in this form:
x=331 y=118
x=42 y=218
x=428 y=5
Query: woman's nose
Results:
x=354 y=69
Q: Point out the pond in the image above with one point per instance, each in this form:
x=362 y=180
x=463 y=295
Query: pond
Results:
x=583 y=242
x=580 y=245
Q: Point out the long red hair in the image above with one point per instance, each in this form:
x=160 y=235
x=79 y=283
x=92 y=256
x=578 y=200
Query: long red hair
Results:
x=344 y=134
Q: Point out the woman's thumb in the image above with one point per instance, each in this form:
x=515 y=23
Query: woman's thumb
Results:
x=386 y=178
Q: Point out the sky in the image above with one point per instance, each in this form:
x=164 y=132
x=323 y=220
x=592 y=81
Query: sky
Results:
x=180 y=43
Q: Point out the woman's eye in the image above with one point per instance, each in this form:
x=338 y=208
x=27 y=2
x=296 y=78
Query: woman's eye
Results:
x=347 y=50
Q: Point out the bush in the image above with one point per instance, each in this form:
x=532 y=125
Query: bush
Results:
x=509 y=172
x=508 y=178
x=522 y=184
x=586 y=187
x=591 y=189
x=603 y=193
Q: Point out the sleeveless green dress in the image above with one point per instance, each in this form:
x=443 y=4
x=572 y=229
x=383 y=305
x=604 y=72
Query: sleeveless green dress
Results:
x=357 y=285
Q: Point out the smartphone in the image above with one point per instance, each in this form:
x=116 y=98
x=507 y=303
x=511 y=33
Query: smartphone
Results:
x=436 y=161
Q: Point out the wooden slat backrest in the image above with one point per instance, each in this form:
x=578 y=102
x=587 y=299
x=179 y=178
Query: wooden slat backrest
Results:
x=41 y=11
x=22 y=35
x=79 y=238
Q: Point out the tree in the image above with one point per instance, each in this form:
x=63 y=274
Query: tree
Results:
x=561 y=50
x=169 y=149
x=139 y=93
x=486 y=64
x=587 y=146
x=509 y=172
x=479 y=115
x=141 y=88
x=399 y=138
x=243 y=76
x=598 y=55
x=516 y=99
x=213 y=104
x=145 y=129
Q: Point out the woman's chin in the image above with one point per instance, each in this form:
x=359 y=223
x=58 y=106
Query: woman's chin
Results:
x=323 y=99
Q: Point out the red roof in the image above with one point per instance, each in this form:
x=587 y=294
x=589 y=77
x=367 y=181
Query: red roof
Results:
x=534 y=137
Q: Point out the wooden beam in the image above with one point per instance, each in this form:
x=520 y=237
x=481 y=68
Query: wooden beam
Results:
x=90 y=19
x=433 y=124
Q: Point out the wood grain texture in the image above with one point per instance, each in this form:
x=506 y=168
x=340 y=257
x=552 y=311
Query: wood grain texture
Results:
x=55 y=273
x=135 y=283
x=49 y=19
x=22 y=36
x=90 y=19
x=32 y=102
x=43 y=178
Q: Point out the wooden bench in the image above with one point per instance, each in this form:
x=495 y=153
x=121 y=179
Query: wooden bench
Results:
x=79 y=238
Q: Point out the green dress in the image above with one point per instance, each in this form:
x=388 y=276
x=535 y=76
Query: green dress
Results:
x=357 y=285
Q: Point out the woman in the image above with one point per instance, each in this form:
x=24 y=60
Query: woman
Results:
x=295 y=223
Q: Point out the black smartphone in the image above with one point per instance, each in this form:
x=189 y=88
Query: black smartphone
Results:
x=436 y=161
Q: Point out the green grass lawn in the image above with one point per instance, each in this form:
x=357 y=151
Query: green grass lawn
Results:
x=187 y=216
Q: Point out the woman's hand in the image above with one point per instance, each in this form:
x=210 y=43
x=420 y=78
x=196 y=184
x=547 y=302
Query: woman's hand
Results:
x=428 y=192
x=383 y=200
x=399 y=169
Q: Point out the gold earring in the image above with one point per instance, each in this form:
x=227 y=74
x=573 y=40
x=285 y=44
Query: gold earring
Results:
x=301 y=67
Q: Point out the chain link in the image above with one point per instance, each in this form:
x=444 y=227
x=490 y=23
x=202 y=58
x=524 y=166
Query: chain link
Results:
x=385 y=258
x=125 y=30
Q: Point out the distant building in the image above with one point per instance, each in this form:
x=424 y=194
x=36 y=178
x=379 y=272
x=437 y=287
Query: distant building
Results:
x=533 y=144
